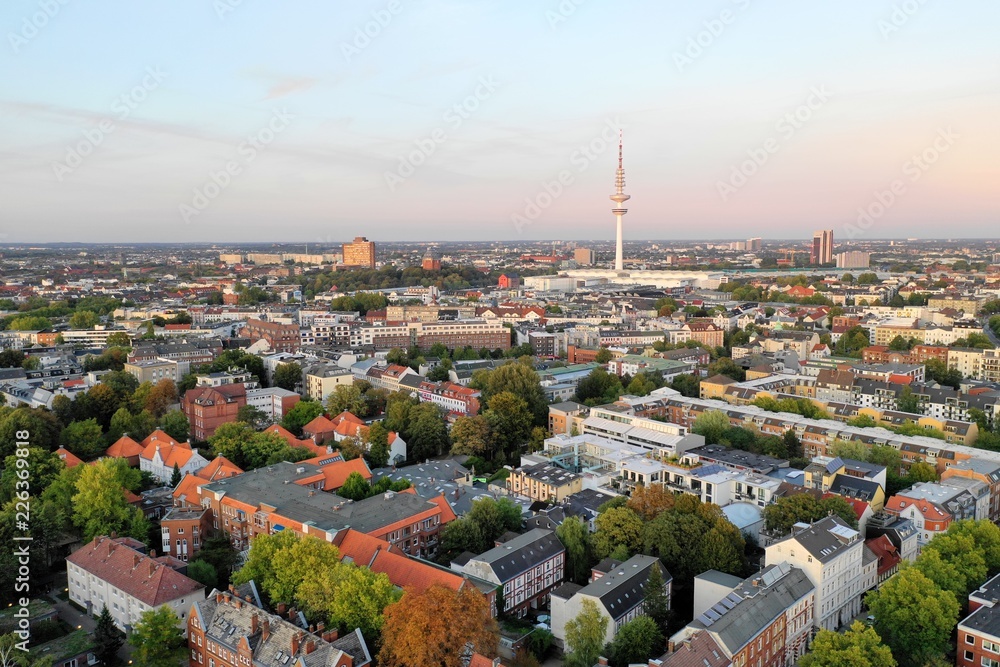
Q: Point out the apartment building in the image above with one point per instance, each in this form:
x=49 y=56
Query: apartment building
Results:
x=289 y=496
x=987 y=472
x=154 y=370
x=979 y=632
x=831 y=554
x=452 y=397
x=360 y=252
x=323 y=382
x=526 y=568
x=226 y=630
x=118 y=574
x=563 y=417
x=208 y=407
x=274 y=402
x=765 y=621
x=618 y=589
x=279 y=337
x=933 y=506
x=544 y=482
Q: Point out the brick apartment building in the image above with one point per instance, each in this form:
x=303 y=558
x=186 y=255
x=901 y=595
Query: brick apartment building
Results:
x=281 y=337
x=456 y=399
x=360 y=252
x=289 y=496
x=207 y=407
x=230 y=630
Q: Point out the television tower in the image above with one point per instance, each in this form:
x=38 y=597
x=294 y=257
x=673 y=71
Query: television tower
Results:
x=619 y=198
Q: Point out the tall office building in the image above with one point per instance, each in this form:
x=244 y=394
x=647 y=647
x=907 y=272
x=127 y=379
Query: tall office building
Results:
x=754 y=244
x=360 y=252
x=822 y=247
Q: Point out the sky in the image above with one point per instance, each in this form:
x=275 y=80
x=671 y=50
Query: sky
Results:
x=436 y=120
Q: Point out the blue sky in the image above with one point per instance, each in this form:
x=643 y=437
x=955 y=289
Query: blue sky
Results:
x=247 y=120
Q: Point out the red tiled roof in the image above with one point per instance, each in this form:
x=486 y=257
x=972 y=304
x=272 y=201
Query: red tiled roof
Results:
x=319 y=425
x=336 y=473
x=124 y=447
x=284 y=433
x=68 y=457
x=219 y=467
x=189 y=489
x=142 y=577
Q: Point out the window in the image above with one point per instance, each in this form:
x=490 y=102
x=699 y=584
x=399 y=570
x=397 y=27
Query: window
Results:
x=992 y=647
x=969 y=639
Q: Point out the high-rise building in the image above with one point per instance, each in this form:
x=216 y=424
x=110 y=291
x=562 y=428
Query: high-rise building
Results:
x=619 y=198
x=583 y=256
x=822 y=247
x=754 y=244
x=853 y=259
x=360 y=252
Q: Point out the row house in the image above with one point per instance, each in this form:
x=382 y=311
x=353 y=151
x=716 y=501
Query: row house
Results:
x=452 y=397
x=526 y=568
x=933 y=506
x=765 y=621
x=831 y=554
x=544 y=482
x=815 y=434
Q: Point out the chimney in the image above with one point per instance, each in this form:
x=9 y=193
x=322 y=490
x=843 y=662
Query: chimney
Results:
x=247 y=597
x=310 y=646
x=281 y=608
x=330 y=636
x=602 y=661
x=291 y=614
x=265 y=629
x=254 y=622
x=232 y=589
x=152 y=553
x=218 y=597
x=238 y=603
x=320 y=626
x=295 y=643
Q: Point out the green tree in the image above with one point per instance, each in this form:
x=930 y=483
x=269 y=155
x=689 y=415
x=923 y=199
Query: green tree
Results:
x=40 y=423
x=914 y=616
x=618 y=527
x=781 y=515
x=726 y=366
x=107 y=637
x=574 y=533
x=909 y=401
x=355 y=487
x=656 y=604
x=175 y=424
x=254 y=417
x=599 y=387
x=510 y=423
x=42 y=468
x=83 y=319
x=687 y=384
x=711 y=424
x=985 y=535
x=585 y=636
x=204 y=573
x=301 y=414
x=175 y=476
x=349 y=597
x=158 y=639
x=459 y=536
x=860 y=646
x=921 y=471
x=471 y=436
x=100 y=507
x=603 y=356
x=518 y=379
x=427 y=434
x=287 y=376
x=377 y=453
x=84 y=439
x=636 y=641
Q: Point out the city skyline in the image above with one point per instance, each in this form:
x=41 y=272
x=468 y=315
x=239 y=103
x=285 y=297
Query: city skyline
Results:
x=741 y=122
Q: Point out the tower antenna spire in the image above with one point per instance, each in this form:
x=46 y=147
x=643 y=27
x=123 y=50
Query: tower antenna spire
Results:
x=619 y=198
